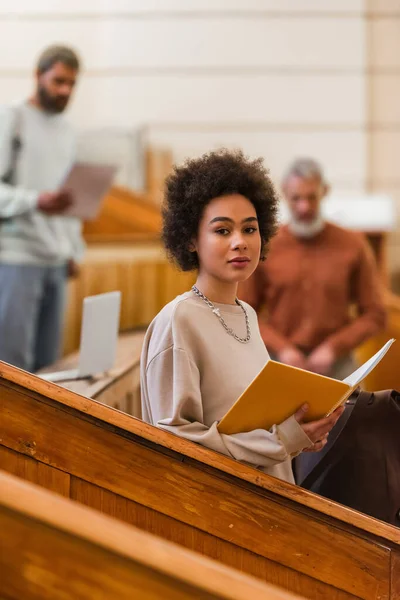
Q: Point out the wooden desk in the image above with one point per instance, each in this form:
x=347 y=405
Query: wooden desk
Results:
x=120 y=387
x=54 y=548
x=193 y=496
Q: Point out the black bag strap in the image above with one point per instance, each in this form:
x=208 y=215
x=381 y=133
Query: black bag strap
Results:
x=16 y=145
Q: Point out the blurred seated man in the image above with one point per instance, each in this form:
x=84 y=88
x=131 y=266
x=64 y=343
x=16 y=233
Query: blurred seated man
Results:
x=318 y=294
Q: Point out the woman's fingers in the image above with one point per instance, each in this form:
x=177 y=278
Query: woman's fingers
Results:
x=318 y=445
x=301 y=413
x=316 y=430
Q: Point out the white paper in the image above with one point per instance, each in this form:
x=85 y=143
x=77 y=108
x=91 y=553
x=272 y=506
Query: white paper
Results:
x=359 y=374
x=88 y=183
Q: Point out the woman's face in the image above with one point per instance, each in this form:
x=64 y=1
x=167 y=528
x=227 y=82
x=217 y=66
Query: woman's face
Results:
x=228 y=243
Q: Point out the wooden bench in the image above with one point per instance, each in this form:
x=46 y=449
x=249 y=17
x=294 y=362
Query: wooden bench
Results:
x=58 y=549
x=193 y=496
x=120 y=387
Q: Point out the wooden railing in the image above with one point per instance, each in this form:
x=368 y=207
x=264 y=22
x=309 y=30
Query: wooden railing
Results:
x=124 y=212
x=193 y=496
x=54 y=548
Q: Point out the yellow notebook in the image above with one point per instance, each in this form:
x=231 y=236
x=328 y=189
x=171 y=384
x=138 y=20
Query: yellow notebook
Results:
x=279 y=390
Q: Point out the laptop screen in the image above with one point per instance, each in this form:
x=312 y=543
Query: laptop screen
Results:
x=99 y=333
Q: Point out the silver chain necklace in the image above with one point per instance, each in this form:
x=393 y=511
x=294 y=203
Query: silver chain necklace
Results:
x=217 y=313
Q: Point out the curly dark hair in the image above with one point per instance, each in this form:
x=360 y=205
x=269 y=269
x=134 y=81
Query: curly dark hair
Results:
x=193 y=185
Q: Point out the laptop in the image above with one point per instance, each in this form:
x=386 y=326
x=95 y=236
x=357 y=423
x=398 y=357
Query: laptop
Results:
x=99 y=336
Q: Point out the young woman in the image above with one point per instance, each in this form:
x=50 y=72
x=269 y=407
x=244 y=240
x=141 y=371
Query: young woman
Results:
x=204 y=348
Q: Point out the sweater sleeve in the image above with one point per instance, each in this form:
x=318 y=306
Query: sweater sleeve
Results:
x=14 y=200
x=173 y=384
x=368 y=297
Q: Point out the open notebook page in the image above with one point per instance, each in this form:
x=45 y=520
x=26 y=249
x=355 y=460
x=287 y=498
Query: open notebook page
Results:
x=359 y=374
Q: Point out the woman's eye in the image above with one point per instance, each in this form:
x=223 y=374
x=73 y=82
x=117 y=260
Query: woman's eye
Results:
x=222 y=231
x=250 y=229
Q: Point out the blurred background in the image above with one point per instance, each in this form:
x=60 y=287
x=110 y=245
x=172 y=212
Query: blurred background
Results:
x=166 y=79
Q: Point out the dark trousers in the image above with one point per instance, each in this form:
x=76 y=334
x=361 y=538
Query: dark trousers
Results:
x=32 y=302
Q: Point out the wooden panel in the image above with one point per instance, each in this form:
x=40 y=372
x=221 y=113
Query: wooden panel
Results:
x=395 y=577
x=35 y=388
x=124 y=211
x=384 y=43
x=199 y=497
x=55 y=549
x=31 y=470
x=386 y=375
x=385 y=88
x=118 y=393
x=72 y=316
x=158 y=166
x=176 y=531
x=119 y=387
x=383 y=6
x=385 y=144
x=82 y=570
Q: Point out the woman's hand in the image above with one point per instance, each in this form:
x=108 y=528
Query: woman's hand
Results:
x=317 y=431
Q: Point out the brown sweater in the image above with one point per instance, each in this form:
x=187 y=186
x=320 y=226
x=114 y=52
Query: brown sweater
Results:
x=308 y=286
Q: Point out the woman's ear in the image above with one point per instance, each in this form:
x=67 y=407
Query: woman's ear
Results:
x=192 y=247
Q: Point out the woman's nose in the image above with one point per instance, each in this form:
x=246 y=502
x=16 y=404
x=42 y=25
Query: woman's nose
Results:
x=239 y=242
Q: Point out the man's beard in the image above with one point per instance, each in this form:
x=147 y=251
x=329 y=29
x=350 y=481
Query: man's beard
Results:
x=51 y=104
x=306 y=229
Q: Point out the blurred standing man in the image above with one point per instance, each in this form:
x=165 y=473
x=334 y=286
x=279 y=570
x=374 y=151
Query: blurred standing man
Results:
x=315 y=272
x=39 y=248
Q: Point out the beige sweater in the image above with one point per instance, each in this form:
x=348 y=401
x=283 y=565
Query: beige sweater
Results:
x=192 y=372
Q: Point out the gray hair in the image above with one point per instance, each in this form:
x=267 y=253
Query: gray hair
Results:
x=306 y=168
x=54 y=54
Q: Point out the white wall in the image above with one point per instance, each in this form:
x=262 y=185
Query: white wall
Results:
x=280 y=78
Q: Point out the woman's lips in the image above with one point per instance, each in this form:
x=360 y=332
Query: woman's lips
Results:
x=240 y=261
